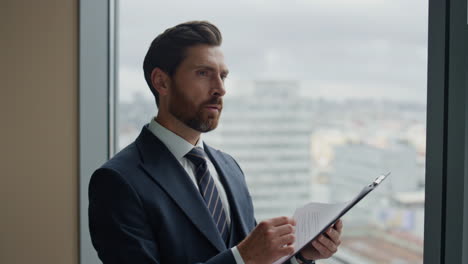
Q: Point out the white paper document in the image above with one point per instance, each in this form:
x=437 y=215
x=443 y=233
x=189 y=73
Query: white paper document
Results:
x=310 y=220
x=315 y=218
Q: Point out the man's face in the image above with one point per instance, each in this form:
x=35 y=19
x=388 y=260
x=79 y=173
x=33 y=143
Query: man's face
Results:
x=197 y=88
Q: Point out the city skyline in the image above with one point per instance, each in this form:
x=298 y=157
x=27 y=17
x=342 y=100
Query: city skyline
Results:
x=322 y=96
x=294 y=150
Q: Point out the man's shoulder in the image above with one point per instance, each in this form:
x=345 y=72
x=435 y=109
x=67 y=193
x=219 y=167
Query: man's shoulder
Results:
x=125 y=162
x=123 y=169
x=218 y=152
x=128 y=156
x=223 y=155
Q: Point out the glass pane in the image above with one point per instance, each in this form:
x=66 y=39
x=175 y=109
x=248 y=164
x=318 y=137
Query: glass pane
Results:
x=322 y=97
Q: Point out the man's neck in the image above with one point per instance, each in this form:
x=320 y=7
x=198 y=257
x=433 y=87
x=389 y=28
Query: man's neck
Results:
x=190 y=135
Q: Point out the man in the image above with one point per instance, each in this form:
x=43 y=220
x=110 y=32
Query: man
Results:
x=170 y=198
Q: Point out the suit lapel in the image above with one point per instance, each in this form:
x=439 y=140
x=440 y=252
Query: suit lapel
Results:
x=163 y=167
x=234 y=187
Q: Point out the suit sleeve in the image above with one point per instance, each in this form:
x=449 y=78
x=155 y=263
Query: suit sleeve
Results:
x=293 y=259
x=118 y=224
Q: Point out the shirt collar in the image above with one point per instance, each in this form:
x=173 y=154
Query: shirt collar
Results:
x=178 y=146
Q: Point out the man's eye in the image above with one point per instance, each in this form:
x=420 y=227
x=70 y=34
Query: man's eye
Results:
x=202 y=73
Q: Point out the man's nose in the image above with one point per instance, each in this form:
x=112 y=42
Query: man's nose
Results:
x=218 y=87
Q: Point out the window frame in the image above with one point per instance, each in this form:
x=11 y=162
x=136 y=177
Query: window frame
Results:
x=97 y=97
x=445 y=232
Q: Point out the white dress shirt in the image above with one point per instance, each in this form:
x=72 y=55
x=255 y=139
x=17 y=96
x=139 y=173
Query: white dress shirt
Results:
x=179 y=147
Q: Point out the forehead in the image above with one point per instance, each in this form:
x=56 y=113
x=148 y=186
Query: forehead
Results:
x=205 y=55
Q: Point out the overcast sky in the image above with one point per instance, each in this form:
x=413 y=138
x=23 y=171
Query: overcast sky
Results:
x=335 y=48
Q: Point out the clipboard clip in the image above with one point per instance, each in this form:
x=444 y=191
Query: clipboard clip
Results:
x=379 y=179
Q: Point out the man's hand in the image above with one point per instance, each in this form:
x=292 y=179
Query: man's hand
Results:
x=325 y=245
x=270 y=240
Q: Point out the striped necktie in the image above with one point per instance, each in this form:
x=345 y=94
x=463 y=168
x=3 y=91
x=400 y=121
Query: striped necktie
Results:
x=208 y=190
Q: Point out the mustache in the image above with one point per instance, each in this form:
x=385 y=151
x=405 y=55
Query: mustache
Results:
x=214 y=101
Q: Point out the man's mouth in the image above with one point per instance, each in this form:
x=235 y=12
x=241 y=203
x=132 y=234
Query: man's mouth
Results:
x=214 y=107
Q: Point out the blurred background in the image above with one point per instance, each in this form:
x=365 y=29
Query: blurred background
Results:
x=322 y=97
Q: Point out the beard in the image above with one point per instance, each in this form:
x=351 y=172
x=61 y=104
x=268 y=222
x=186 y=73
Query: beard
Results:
x=194 y=116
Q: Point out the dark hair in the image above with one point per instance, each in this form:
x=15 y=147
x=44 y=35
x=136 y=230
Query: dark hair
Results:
x=168 y=49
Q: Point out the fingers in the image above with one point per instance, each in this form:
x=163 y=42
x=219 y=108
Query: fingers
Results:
x=282 y=220
x=280 y=230
x=322 y=250
x=288 y=239
x=339 y=226
x=270 y=240
x=285 y=229
x=287 y=250
x=334 y=235
x=328 y=243
x=325 y=246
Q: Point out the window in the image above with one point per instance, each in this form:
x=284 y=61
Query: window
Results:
x=322 y=97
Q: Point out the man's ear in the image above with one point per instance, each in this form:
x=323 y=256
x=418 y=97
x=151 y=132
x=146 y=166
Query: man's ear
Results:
x=160 y=81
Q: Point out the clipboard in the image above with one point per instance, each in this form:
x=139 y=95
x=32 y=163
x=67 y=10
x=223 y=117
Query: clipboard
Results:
x=364 y=192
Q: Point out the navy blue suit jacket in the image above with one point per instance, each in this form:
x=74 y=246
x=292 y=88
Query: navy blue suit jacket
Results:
x=143 y=208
